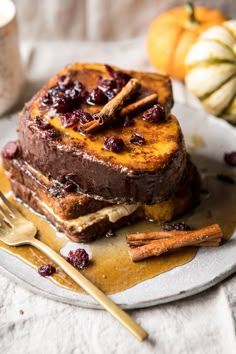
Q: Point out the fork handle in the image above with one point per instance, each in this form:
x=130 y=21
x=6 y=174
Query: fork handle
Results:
x=92 y=290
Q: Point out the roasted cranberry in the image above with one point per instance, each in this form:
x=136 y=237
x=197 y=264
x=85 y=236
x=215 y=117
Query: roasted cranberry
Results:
x=69 y=187
x=137 y=139
x=181 y=226
x=155 y=114
x=65 y=96
x=64 y=82
x=62 y=103
x=52 y=134
x=83 y=117
x=96 y=97
x=113 y=143
x=78 y=258
x=10 y=150
x=121 y=77
x=111 y=87
x=106 y=84
x=47 y=100
x=53 y=91
x=78 y=86
x=42 y=124
x=225 y=178
x=69 y=120
x=230 y=158
x=46 y=270
x=128 y=121
x=110 y=94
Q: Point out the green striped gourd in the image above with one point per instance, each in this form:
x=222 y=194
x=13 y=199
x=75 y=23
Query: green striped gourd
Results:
x=211 y=70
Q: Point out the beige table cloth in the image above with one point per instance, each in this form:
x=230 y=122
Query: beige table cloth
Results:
x=202 y=324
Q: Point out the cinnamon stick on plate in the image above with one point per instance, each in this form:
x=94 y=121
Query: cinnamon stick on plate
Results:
x=108 y=113
x=148 y=244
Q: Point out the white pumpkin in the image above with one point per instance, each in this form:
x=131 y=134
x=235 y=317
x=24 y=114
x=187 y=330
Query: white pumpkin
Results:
x=211 y=70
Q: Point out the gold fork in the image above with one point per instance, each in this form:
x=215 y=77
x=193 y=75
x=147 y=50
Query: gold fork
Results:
x=15 y=230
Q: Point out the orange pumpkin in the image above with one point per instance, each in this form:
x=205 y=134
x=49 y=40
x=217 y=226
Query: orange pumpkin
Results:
x=172 y=34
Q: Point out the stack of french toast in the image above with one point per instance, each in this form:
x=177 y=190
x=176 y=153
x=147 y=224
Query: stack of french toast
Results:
x=99 y=148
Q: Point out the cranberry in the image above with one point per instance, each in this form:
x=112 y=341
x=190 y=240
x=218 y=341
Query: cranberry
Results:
x=113 y=143
x=78 y=86
x=65 y=96
x=181 y=226
x=42 y=124
x=64 y=82
x=83 y=117
x=155 y=114
x=106 y=84
x=69 y=120
x=121 y=77
x=225 y=178
x=137 y=139
x=230 y=158
x=69 y=187
x=47 y=100
x=10 y=150
x=46 y=270
x=62 y=103
x=111 y=87
x=110 y=94
x=53 y=91
x=96 y=97
x=78 y=258
x=52 y=134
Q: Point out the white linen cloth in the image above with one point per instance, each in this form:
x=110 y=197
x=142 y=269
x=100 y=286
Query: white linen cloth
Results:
x=201 y=324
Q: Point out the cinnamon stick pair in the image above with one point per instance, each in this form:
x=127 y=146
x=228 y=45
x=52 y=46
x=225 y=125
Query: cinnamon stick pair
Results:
x=148 y=244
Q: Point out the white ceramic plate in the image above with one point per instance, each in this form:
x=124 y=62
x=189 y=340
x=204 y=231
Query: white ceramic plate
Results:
x=209 y=267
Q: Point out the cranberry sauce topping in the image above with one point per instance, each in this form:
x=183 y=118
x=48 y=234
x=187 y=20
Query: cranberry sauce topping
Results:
x=113 y=143
x=10 y=150
x=155 y=114
x=65 y=96
x=230 y=158
x=46 y=270
x=181 y=226
x=78 y=258
x=137 y=139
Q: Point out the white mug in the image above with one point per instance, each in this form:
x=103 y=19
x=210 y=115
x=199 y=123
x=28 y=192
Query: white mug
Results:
x=11 y=69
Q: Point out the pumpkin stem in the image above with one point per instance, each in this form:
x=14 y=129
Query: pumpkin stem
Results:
x=189 y=7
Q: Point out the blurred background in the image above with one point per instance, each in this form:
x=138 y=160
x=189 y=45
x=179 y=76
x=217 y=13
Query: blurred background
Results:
x=97 y=19
x=57 y=32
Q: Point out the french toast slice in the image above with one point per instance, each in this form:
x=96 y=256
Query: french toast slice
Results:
x=140 y=174
x=93 y=221
x=67 y=205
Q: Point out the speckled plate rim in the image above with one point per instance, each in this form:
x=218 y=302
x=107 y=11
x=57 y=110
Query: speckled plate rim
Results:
x=209 y=267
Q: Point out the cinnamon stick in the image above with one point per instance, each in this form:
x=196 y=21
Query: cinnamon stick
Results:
x=164 y=241
x=137 y=106
x=107 y=115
